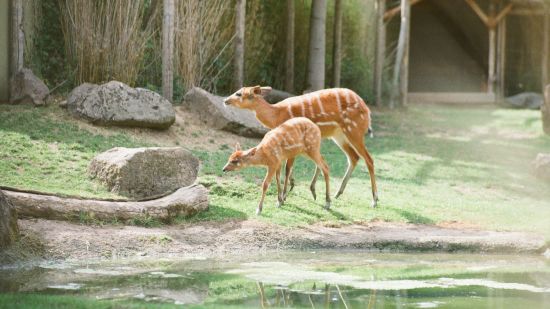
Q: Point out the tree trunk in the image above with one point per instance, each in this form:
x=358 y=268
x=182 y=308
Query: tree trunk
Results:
x=240 y=15
x=168 y=49
x=380 y=50
x=337 y=46
x=9 y=231
x=545 y=110
x=289 y=73
x=492 y=51
x=185 y=202
x=17 y=40
x=316 y=53
x=401 y=74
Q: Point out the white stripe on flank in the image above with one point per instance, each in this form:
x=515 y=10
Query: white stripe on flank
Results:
x=338 y=103
x=362 y=117
x=320 y=103
x=310 y=103
x=303 y=109
x=293 y=146
x=290 y=111
x=347 y=91
x=327 y=123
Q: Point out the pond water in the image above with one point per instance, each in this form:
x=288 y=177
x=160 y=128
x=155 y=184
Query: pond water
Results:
x=320 y=279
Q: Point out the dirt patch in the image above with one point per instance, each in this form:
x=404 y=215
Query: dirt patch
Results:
x=64 y=240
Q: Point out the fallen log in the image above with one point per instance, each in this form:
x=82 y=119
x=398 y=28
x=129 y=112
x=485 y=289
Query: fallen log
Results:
x=185 y=202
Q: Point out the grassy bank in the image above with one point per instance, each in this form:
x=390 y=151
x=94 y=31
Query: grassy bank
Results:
x=464 y=167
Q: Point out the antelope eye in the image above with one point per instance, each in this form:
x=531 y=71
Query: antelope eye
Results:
x=234 y=161
x=238 y=94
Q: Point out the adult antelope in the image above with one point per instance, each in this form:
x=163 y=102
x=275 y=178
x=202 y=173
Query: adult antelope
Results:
x=340 y=114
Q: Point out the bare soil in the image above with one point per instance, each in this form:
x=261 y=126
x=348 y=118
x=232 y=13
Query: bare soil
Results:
x=49 y=239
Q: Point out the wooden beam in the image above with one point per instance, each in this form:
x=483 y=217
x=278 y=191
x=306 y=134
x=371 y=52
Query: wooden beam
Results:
x=392 y=12
x=475 y=7
x=490 y=21
x=502 y=14
x=380 y=52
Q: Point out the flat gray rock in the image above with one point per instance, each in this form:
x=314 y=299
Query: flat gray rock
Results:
x=144 y=172
x=212 y=111
x=117 y=104
x=529 y=100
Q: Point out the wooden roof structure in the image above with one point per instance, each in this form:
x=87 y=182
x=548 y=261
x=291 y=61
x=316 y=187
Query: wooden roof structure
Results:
x=493 y=15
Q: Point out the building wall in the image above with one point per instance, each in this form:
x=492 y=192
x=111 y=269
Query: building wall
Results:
x=442 y=57
x=4 y=49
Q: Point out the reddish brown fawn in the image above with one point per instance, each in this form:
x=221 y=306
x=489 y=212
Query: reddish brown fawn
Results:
x=292 y=138
x=340 y=114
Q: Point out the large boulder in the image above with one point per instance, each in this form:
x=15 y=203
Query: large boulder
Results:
x=118 y=104
x=212 y=111
x=529 y=100
x=27 y=88
x=9 y=230
x=144 y=172
x=541 y=166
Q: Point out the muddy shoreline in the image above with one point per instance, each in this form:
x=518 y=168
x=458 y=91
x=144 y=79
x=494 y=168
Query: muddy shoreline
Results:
x=60 y=240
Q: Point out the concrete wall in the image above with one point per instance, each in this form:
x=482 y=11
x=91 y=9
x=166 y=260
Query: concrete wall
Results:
x=444 y=54
x=4 y=49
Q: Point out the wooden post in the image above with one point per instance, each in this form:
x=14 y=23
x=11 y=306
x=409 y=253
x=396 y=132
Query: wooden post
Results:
x=240 y=14
x=501 y=59
x=289 y=73
x=492 y=49
x=401 y=74
x=168 y=50
x=337 y=44
x=17 y=37
x=380 y=50
x=316 y=52
x=545 y=48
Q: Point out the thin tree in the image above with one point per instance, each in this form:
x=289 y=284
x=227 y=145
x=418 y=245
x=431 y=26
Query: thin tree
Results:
x=380 y=52
x=401 y=74
x=337 y=44
x=289 y=73
x=316 y=53
x=240 y=14
x=18 y=37
x=168 y=49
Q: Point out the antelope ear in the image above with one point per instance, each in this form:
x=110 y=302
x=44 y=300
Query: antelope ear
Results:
x=257 y=90
x=252 y=151
x=237 y=147
x=265 y=90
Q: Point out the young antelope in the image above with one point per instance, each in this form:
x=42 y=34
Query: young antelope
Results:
x=294 y=137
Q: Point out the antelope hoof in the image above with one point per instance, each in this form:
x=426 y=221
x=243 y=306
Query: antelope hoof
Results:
x=258 y=211
x=327 y=205
x=338 y=194
x=279 y=204
x=291 y=184
x=374 y=203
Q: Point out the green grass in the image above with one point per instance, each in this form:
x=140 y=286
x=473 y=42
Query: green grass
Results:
x=41 y=152
x=434 y=164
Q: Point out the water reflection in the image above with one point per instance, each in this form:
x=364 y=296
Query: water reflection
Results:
x=327 y=280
